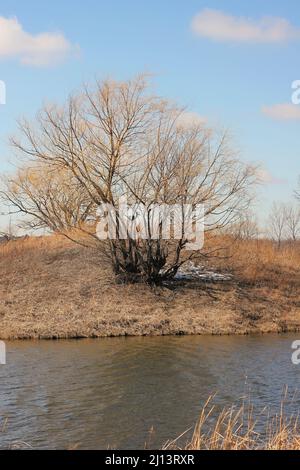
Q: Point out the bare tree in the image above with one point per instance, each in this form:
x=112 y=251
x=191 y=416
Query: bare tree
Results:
x=293 y=222
x=49 y=199
x=246 y=228
x=117 y=139
x=278 y=222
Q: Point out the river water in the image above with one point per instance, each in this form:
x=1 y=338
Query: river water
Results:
x=110 y=393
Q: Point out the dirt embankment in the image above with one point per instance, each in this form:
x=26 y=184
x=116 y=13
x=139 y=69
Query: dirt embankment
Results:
x=51 y=288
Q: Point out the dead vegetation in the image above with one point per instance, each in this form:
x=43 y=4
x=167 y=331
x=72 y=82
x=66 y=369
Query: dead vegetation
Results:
x=51 y=288
x=236 y=428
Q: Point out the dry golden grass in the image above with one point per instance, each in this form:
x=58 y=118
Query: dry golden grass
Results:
x=262 y=262
x=236 y=429
x=52 y=288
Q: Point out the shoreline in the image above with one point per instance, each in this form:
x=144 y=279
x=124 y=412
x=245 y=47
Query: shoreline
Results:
x=185 y=314
x=18 y=333
x=125 y=335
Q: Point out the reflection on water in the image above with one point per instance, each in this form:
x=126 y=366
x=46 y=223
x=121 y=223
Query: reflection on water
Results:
x=110 y=392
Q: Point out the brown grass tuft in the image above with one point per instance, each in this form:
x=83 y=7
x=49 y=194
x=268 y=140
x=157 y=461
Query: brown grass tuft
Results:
x=236 y=429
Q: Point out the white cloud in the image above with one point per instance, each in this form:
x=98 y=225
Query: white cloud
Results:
x=283 y=112
x=264 y=176
x=189 y=118
x=219 y=26
x=39 y=50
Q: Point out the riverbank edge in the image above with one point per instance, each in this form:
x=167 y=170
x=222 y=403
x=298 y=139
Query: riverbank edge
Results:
x=277 y=330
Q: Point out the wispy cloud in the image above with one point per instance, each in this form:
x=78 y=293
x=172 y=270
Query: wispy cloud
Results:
x=264 y=176
x=43 y=49
x=283 y=112
x=219 y=26
x=190 y=118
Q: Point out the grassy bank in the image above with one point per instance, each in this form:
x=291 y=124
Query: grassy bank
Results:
x=51 y=288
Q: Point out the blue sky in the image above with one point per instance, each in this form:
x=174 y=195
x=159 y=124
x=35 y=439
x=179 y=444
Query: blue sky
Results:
x=228 y=80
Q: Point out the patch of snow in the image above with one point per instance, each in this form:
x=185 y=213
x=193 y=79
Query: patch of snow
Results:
x=191 y=272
